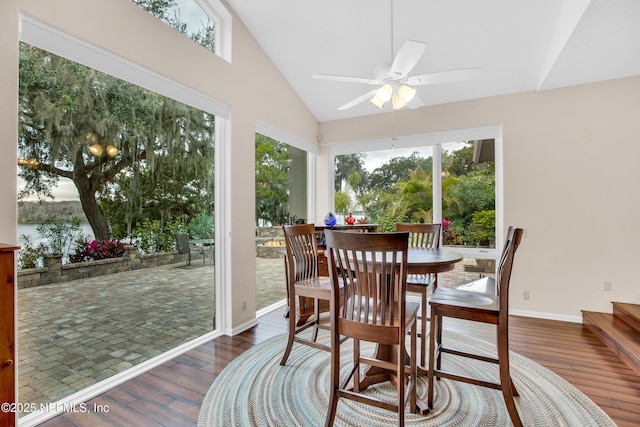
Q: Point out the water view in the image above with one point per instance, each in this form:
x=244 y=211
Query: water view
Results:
x=31 y=231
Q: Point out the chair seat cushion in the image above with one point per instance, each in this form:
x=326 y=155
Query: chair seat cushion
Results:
x=460 y=298
x=411 y=311
x=315 y=282
x=485 y=285
x=420 y=279
x=316 y=287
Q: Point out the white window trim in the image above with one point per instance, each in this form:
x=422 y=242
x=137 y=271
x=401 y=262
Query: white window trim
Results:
x=435 y=139
x=43 y=36
x=223 y=21
x=312 y=150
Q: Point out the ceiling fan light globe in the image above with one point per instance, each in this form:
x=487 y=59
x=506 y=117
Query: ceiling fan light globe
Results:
x=96 y=150
x=385 y=92
x=397 y=102
x=407 y=93
x=112 y=150
x=377 y=101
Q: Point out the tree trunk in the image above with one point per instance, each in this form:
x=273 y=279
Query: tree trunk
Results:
x=94 y=214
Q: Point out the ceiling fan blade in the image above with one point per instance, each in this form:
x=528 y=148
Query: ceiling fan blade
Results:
x=416 y=102
x=345 y=79
x=358 y=100
x=445 y=77
x=407 y=57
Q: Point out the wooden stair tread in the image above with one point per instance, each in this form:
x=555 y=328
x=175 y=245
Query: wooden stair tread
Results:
x=629 y=313
x=623 y=339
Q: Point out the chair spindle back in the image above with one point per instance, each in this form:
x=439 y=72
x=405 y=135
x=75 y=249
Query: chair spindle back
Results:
x=422 y=235
x=302 y=251
x=373 y=269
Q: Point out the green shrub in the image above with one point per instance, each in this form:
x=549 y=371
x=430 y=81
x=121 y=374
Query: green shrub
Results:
x=482 y=227
x=60 y=234
x=153 y=236
x=387 y=222
x=201 y=226
x=30 y=256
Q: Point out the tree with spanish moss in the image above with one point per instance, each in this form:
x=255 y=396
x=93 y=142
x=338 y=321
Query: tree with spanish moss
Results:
x=89 y=127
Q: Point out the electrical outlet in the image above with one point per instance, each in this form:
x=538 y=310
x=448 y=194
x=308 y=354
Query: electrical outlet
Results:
x=606 y=286
x=244 y=306
x=525 y=295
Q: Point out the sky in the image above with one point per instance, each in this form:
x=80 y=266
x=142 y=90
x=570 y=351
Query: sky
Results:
x=376 y=159
x=191 y=14
x=65 y=191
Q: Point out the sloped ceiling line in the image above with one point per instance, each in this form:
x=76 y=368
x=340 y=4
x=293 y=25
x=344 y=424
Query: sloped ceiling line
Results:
x=570 y=16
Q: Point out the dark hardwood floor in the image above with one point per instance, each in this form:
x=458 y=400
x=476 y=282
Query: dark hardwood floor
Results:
x=170 y=395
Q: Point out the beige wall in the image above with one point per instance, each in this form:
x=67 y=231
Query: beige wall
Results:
x=570 y=155
x=571 y=178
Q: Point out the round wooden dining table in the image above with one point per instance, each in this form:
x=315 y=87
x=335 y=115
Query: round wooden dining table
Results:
x=419 y=261
x=431 y=260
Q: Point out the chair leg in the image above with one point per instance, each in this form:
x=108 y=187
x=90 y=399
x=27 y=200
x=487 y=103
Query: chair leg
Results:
x=423 y=328
x=356 y=362
x=316 y=312
x=335 y=369
x=292 y=331
x=508 y=388
x=439 y=342
x=432 y=354
x=414 y=371
x=401 y=382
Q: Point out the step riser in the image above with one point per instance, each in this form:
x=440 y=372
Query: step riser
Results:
x=628 y=314
x=593 y=322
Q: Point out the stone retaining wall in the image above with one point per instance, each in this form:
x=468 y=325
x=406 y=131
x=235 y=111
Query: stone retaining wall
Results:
x=55 y=272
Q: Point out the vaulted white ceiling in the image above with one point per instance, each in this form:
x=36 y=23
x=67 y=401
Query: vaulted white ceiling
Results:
x=522 y=45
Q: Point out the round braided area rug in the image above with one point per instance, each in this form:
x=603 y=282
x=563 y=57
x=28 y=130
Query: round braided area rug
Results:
x=254 y=390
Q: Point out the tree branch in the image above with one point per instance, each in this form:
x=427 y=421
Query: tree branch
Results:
x=118 y=167
x=54 y=170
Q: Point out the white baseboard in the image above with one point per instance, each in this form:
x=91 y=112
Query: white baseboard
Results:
x=535 y=314
x=548 y=316
x=241 y=328
x=270 y=308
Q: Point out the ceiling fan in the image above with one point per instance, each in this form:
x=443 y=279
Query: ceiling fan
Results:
x=393 y=79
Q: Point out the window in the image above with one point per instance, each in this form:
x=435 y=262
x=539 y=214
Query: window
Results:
x=469 y=194
x=206 y=22
x=200 y=109
x=283 y=188
x=448 y=177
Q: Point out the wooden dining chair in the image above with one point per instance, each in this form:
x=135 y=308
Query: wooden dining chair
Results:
x=306 y=289
x=422 y=236
x=373 y=268
x=477 y=307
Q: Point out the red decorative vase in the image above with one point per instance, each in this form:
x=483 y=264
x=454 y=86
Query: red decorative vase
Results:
x=350 y=220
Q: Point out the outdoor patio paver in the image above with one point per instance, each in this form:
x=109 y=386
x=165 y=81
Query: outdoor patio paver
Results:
x=72 y=335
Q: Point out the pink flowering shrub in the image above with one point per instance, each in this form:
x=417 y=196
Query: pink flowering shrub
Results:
x=92 y=250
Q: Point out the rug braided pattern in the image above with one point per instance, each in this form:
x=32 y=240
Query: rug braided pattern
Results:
x=254 y=390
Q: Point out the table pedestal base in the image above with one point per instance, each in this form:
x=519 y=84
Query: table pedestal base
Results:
x=376 y=375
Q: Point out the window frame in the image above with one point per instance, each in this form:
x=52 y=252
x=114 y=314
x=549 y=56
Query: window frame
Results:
x=43 y=36
x=223 y=22
x=312 y=150
x=436 y=139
